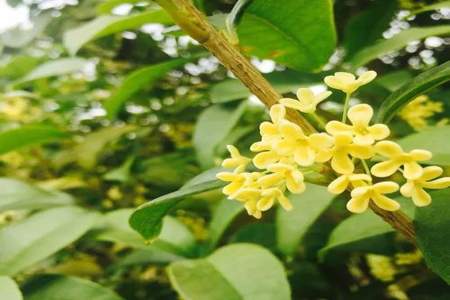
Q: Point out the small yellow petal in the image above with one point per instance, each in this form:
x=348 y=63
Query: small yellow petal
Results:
x=379 y=131
x=360 y=114
x=265 y=203
x=358 y=205
x=407 y=189
x=385 y=168
x=361 y=151
x=385 y=203
x=277 y=113
x=264 y=159
x=420 y=197
x=412 y=170
x=431 y=172
x=386 y=187
x=336 y=127
x=367 y=77
x=339 y=185
x=420 y=155
x=441 y=183
x=342 y=163
x=388 y=148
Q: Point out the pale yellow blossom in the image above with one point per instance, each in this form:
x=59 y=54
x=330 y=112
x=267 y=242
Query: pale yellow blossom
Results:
x=415 y=189
x=304 y=149
x=347 y=82
x=293 y=176
x=236 y=161
x=419 y=110
x=361 y=196
x=364 y=134
x=342 y=151
x=307 y=100
x=340 y=184
x=397 y=158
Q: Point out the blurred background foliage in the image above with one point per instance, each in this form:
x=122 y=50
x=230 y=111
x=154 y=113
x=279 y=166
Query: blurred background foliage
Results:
x=106 y=105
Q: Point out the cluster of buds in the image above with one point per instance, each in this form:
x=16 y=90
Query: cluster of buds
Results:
x=285 y=150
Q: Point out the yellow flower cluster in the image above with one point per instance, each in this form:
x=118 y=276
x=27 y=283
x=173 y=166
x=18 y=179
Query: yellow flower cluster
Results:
x=419 y=110
x=285 y=150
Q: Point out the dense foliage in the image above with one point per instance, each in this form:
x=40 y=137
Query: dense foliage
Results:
x=114 y=123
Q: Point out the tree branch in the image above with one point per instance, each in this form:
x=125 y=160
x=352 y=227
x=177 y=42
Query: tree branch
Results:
x=194 y=23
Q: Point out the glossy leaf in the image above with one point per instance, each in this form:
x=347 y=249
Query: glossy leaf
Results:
x=147 y=255
x=15 y=194
x=75 y=38
x=421 y=84
x=238 y=271
x=434 y=139
x=9 y=289
x=31 y=240
x=361 y=227
x=174 y=237
x=435 y=6
x=28 y=135
x=289 y=33
x=223 y=215
x=365 y=28
x=395 y=43
x=87 y=152
x=143 y=77
x=66 y=288
x=432 y=230
x=212 y=126
x=292 y=225
x=56 y=67
x=147 y=218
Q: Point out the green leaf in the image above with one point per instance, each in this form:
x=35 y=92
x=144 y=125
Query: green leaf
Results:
x=87 y=152
x=361 y=227
x=288 y=33
x=106 y=6
x=283 y=82
x=223 y=215
x=238 y=271
x=432 y=226
x=143 y=77
x=9 y=289
x=212 y=126
x=366 y=27
x=18 y=66
x=394 y=80
x=76 y=38
x=147 y=255
x=60 y=287
x=28 y=135
x=434 y=139
x=56 y=67
x=292 y=225
x=15 y=194
x=31 y=240
x=421 y=84
x=397 y=42
x=174 y=237
x=436 y=6
x=147 y=218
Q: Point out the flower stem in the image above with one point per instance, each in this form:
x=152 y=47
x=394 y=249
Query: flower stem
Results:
x=318 y=120
x=346 y=104
x=366 y=167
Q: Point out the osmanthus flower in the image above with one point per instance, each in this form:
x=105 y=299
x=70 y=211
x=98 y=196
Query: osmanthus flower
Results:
x=347 y=82
x=362 y=195
x=293 y=177
x=340 y=184
x=397 y=158
x=363 y=133
x=344 y=149
x=236 y=181
x=307 y=100
x=415 y=189
x=236 y=161
x=304 y=149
